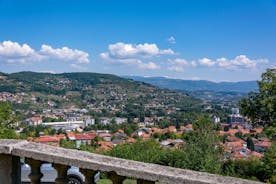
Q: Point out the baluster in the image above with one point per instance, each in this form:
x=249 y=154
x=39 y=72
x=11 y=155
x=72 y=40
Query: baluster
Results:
x=141 y=181
x=61 y=173
x=115 y=178
x=89 y=175
x=35 y=175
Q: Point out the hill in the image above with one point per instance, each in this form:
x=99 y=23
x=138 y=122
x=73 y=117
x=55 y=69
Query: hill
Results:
x=198 y=85
x=103 y=93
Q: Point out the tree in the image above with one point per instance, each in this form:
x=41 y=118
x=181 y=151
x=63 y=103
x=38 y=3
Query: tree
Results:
x=238 y=134
x=260 y=106
x=6 y=132
x=270 y=164
x=67 y=144
x=5 y=112
x=250 y=144
x=203 y=151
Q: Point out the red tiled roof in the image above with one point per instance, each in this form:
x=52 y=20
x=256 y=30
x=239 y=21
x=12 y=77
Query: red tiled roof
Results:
x=237 y=155
x=120 y=131
x=44 y=139
x=105 y=145
x=171 y=129
x=256 y=154
x=84 y=136
x=130 y=140
x=235 y=144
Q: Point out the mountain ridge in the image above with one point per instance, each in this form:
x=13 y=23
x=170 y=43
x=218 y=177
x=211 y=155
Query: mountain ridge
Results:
x=198 y=85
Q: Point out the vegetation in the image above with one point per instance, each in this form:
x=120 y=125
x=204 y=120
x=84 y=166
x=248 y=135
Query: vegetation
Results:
x=6 y=132
x=102 y=91
x=260 y=106
x=203 y=151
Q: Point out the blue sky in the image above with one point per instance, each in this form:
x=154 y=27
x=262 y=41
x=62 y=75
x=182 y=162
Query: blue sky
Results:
x=218 y=40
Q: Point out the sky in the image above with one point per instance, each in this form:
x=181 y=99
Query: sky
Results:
x=217 y=40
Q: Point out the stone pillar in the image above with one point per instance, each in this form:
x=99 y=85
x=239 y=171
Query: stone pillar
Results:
x=140 y=181
x=35 y=174
x=115 y=178
x=89 y=176
x=10 y=169
x=61 y=173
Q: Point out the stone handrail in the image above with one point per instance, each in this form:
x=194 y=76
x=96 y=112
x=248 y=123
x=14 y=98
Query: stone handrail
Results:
x=118 y=169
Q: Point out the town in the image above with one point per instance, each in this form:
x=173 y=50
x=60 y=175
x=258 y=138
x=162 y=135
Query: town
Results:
x=81 y=129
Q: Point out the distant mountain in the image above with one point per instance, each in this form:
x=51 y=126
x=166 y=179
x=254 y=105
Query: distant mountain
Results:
x=198 y=85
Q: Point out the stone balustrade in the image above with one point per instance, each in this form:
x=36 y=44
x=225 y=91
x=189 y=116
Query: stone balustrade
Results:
x=115 y=168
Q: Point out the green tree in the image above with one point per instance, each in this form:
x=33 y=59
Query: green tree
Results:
x=203 y=151
x=250 y=144
x=270 y=164
x=5 y=112
x=238 y=134
x=67 y=144
x=6 y=132
x=261 y=106
x=248 y=169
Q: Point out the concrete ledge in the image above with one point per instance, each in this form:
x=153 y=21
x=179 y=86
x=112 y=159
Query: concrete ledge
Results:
x=128 y=168
x=7 y=145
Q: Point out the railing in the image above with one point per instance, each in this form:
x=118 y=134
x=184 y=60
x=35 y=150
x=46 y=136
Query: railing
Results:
x=116 y=169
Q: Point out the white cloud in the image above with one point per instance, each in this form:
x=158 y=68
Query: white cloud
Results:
x=126 y=51
x=13 y=52
x=207 y=62
x=239 y=62
x=64 y=54
x=171 y=40
x=179 y=64
x=131 y=62
x=132 y=55
x=167 y=52
x=149 y=65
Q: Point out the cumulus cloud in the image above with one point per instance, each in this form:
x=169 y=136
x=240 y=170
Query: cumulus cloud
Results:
x=13 y=52
x=126 y=51
x=171 y=40
x=239 y=62
x=131 y=62
x=179 y=64
x=131 y=54
x=207 y=62
x=64 y=54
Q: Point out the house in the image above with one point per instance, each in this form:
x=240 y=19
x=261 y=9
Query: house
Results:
x=88 y=121
x=130 y=140
x=262 y=144
x=120 y=120
x=49 y=140
x=120 y=134
x=106 y=136
x=235 y=117
x=104 y=146
x=215 y=119
x=70 y=136
x=188 y=128
x=105 y=120
x=84 y=139
x=116 y=142
x=172 y=129
x=36 y=120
